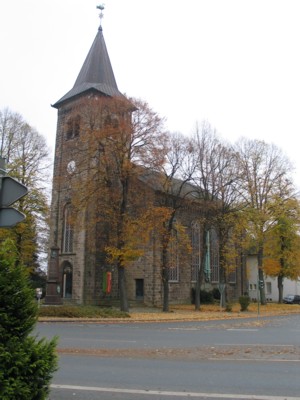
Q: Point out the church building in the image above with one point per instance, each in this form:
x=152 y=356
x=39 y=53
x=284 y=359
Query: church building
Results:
x=78 y=272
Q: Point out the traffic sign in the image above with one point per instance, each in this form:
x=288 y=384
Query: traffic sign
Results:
x=10 y=217
x=11 y=191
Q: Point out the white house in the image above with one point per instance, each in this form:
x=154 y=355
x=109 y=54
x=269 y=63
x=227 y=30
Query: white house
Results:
x=271 y=289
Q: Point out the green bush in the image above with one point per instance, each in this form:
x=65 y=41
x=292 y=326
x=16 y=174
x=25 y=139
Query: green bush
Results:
x=69 y=311
x=216 y=294
x=26 y=369
x=244 y=302
x=26 y=364
x=205 y=296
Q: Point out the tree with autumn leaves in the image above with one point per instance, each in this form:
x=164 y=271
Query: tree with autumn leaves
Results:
x=282 y=249
x=120 y=140
x=174 y=186
x=266 y=178
x=27 y=160
x=123 y=140
x=217 y=180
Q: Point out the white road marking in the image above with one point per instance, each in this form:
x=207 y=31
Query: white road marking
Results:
x=242 y=329
x=253 y=344
x=184 y=329
x=174 y=394
x=101 y=340
x=268 y=360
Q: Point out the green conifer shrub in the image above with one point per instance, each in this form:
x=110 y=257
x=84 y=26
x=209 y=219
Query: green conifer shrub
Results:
x=244 y=302
x=27 y=364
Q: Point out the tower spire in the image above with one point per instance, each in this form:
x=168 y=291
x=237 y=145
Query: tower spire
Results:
x=96 y=74
x=101 y=8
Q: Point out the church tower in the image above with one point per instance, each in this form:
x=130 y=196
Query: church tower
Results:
x=71 y=272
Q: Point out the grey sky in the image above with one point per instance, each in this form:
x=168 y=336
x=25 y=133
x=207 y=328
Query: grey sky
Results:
x=234 y=63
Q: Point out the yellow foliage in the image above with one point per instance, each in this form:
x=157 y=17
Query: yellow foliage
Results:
x=271 y=266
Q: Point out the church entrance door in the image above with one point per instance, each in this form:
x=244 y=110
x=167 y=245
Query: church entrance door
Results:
x=67 y=280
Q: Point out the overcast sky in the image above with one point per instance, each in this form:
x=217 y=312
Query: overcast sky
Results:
x=234 y=63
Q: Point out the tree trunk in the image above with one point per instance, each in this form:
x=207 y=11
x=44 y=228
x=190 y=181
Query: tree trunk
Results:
x=222 y=280
x=282 y=267
x=280 y=288
x=261 y=281
x=166 y=295
x=197 y=292
x=222 y=263
x=124 y=306
x=201 y=269
x=165 y=279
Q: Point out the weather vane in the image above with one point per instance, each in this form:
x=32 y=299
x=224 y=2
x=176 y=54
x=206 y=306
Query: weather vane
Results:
x=101 y=8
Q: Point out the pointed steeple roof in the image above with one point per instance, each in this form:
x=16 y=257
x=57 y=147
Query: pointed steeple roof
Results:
x=96 y=73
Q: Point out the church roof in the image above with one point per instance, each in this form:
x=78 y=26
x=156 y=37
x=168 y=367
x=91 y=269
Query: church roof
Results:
x=159 y=182
x=96 y=73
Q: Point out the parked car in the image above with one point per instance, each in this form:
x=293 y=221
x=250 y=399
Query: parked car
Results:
x=292 y=299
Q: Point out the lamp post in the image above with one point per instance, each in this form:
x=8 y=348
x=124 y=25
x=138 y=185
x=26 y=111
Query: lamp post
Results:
x=53 y=296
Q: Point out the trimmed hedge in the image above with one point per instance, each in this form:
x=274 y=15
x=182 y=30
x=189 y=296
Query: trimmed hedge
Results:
x=69 y=311
x=206 y=297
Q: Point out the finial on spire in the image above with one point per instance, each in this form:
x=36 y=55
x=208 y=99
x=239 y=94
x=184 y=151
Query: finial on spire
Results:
x=101 y=8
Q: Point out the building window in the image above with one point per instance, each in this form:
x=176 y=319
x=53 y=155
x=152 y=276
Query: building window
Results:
x=214 y=255
x=68 y=232
x=173 y=267
x=111 y=121
x=73 y=127
x=268 y=288
x=139 y=289
x=196 y=255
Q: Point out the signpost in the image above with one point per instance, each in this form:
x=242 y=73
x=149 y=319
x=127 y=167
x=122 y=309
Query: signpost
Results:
x=10 y=191
x=10 y=217
x=222 y=290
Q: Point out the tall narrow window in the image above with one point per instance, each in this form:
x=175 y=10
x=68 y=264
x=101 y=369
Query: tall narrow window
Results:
x=196 y=259
x=214 y=255
x=67 y=231
x=268 y=288
x=173 y=267
x=73 y=127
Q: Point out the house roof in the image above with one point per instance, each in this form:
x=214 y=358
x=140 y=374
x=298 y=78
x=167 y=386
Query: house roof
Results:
x=96 y=74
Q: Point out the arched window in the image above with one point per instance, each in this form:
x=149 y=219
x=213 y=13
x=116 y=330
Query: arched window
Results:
x=111 y=121
x=67 y=280
x=73 y=127
x=68 y=232
x=196 y=255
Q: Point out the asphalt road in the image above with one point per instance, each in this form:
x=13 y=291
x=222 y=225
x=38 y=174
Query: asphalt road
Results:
x=237 y=359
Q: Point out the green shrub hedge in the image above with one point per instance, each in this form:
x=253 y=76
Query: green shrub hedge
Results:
x=206 y=297
x=73 y=311
x=244 y=302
